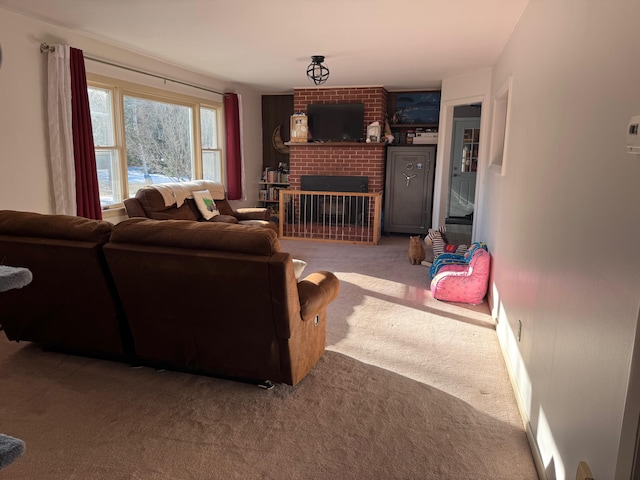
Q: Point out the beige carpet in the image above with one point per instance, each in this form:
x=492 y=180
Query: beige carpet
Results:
x=409 y=388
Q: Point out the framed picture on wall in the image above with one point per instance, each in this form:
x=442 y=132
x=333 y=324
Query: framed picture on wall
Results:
x=414 y=108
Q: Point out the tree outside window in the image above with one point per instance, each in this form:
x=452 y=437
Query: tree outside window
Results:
x=147 y=138
x=159 y=142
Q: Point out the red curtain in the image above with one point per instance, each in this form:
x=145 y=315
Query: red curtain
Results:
x=234 y=153
x=87 y=191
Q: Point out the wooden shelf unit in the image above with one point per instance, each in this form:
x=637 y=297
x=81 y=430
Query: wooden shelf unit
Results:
x=268 y=194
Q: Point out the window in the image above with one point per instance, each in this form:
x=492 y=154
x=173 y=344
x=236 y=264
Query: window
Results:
x=144 y=136
x=211 y=154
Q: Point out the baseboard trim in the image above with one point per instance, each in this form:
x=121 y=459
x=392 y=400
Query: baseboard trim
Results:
x=535 y=452
x=533 y=445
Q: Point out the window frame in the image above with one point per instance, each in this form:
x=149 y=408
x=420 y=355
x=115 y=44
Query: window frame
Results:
x=501 y=120
x=121 y=88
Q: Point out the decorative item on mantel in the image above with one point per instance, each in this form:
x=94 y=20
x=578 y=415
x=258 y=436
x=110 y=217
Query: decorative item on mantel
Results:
x=299 y=127
x=316 y=71
x=278 y=144
x=373 y=132
x=388 y=136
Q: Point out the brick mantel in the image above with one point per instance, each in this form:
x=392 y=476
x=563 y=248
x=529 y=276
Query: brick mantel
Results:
x=335 y=159
x=360 y=160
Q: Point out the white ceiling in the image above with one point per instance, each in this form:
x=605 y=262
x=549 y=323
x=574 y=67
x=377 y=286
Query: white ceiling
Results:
x=399 y=44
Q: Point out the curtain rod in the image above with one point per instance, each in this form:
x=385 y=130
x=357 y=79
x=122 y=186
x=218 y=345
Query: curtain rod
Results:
x=46 y=48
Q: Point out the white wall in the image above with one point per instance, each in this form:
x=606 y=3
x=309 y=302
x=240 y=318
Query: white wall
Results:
x=473 y=87
x=562 y=224
x=24 y=165
x=251 y=146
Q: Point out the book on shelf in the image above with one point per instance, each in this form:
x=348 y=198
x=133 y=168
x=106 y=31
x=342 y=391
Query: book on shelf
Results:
x=270 y=194
x=272 y=175
x=274 y=193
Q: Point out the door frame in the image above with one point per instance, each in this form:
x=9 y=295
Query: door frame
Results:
x=454 y=156
x=443 y=165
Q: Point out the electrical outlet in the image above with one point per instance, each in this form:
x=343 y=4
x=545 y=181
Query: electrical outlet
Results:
x=519 y=335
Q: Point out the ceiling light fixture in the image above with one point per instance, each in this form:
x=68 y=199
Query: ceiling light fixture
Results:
x=316 y=71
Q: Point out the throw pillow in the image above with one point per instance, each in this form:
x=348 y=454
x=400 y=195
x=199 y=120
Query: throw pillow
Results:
x=205 y=204
x=298 y=267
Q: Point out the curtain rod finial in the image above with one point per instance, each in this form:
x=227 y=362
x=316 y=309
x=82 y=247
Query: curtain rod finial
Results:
x=46 y=48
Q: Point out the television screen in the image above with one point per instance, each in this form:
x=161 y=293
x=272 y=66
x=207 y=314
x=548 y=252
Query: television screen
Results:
x=341 y=122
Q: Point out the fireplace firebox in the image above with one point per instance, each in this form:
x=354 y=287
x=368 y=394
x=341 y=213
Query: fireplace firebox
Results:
x=334 y=208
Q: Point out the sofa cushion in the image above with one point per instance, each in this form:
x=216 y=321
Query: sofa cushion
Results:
x=197 y=235
x=61 y=227
x=153 y=204
x=224 y=219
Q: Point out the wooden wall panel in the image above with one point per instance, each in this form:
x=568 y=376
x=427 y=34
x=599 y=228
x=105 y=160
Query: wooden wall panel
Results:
x=276 y=111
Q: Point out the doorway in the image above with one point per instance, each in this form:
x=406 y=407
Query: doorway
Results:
x=463 y=166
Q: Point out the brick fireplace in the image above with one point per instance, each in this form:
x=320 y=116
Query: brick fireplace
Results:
x=348 y=159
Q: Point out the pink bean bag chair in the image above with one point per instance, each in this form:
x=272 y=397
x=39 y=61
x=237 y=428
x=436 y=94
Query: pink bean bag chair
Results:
x=463 y=283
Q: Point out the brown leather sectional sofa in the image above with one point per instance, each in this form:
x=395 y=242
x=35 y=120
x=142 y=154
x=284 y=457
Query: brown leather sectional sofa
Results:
x=149 y=202
x=210 y=298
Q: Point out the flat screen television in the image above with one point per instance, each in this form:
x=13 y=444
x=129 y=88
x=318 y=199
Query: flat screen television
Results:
x=337 y=122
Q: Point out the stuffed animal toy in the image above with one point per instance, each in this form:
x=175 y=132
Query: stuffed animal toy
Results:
x=439 y=243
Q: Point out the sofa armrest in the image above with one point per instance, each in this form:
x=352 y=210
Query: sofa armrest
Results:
x=256 y=213
x=134 y=208
x=316 y=291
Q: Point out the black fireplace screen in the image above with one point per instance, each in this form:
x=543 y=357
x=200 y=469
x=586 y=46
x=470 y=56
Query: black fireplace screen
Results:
x=332 y=208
